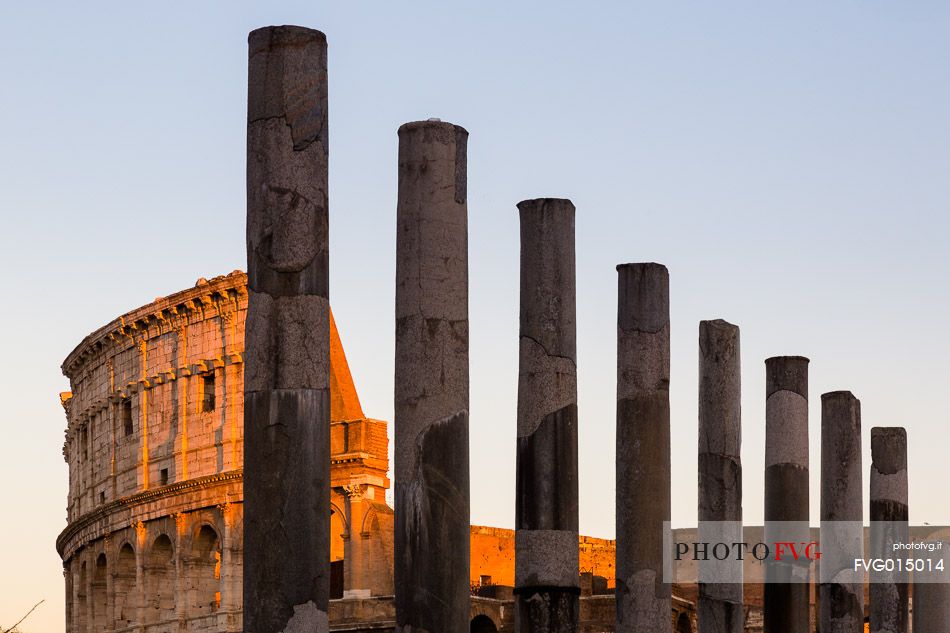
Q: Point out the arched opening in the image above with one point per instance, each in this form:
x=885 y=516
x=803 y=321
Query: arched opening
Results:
x=82 y=619
x=100 y=599
x=124 y=587
x=160 y=581
x=683 y=624
x=206 y=572
x=483 y=624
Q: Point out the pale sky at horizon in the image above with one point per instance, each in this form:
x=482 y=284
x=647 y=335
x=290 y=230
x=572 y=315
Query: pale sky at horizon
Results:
x=788 y=162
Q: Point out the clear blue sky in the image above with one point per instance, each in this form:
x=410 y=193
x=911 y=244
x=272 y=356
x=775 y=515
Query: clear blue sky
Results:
x=787 y=161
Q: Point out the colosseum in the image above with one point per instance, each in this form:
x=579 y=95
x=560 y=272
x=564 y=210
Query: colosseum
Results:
x=154 y=444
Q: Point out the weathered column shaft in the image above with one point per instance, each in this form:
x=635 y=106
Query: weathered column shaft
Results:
x=643 y=447
x=888 y=590
x=932 y=599
x=841 y=608
x=546 y=520
x=786 y=600
x=431 y=567
x=720 y=470
x=287 y=333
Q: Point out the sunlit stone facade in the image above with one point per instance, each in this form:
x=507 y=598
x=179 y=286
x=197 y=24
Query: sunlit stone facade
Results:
x=154 y=444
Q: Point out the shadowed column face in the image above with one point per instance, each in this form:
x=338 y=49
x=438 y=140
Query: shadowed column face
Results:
x=286 y=369
x=720 y=468
x=643 y=447
x=431 y=388
x=546 y=546
x=841 y=608
x=931 y=600
x=888 y=591
x=786 y=603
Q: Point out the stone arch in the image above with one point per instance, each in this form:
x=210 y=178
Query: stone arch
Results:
x=338 y=528
x=160 y=581
x=483 y=624
x=100 y=597
x=205 y=571
x=683 y=625
x=124 y=587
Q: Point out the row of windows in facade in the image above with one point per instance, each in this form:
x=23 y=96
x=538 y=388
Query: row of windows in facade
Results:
x=127 y=421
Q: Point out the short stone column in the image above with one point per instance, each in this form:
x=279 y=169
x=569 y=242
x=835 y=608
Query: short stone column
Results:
x=786 y=600
x=431 y=477
x=355 y=581
x=181 y=570
x=75 y=602
x=841 y=592
x=141 y=591
x=643 y=447
x=888 y=590
x=931 y=598
x=720 y=608
x=546 y=521
x=287 y=335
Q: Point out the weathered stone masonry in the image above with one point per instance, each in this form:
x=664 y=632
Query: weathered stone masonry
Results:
x=155 y=515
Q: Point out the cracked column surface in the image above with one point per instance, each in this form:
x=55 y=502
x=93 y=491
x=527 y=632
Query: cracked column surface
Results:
x=841 y=589
x=888 y=591
x=643 y=447
x=546 y=547
x=287 y=351
x=786 y=599
x=431 y=389
x=720 y=472
x=932 y=597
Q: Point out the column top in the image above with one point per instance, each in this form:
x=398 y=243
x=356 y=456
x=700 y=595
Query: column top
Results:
x=431 y=124
x=286 y=34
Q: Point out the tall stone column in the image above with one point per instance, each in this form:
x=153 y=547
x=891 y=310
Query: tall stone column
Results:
x=932 y=598
x=643 y=447
x=431 y=392
x=546 y=520
x=888 y=590
x=720 y=472
x=786 y=600
x=841 y=592
x=287 y=335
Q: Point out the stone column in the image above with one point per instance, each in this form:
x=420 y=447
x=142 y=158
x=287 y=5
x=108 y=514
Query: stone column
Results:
x=287 y=333
x=110 y=583
x=546 y=521
x=931 y=600
x=720 y=472
x=181 y=570
x=75 y=585
x=355 y=582
x=68 y=578
x=141 y=594
x=786 y=600
x=431 y=393
x=841 y=602
x=888 y=591
x=643 y=447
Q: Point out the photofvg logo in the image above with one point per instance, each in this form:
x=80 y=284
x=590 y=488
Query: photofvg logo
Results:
x=739 y=551
x=793 y=552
